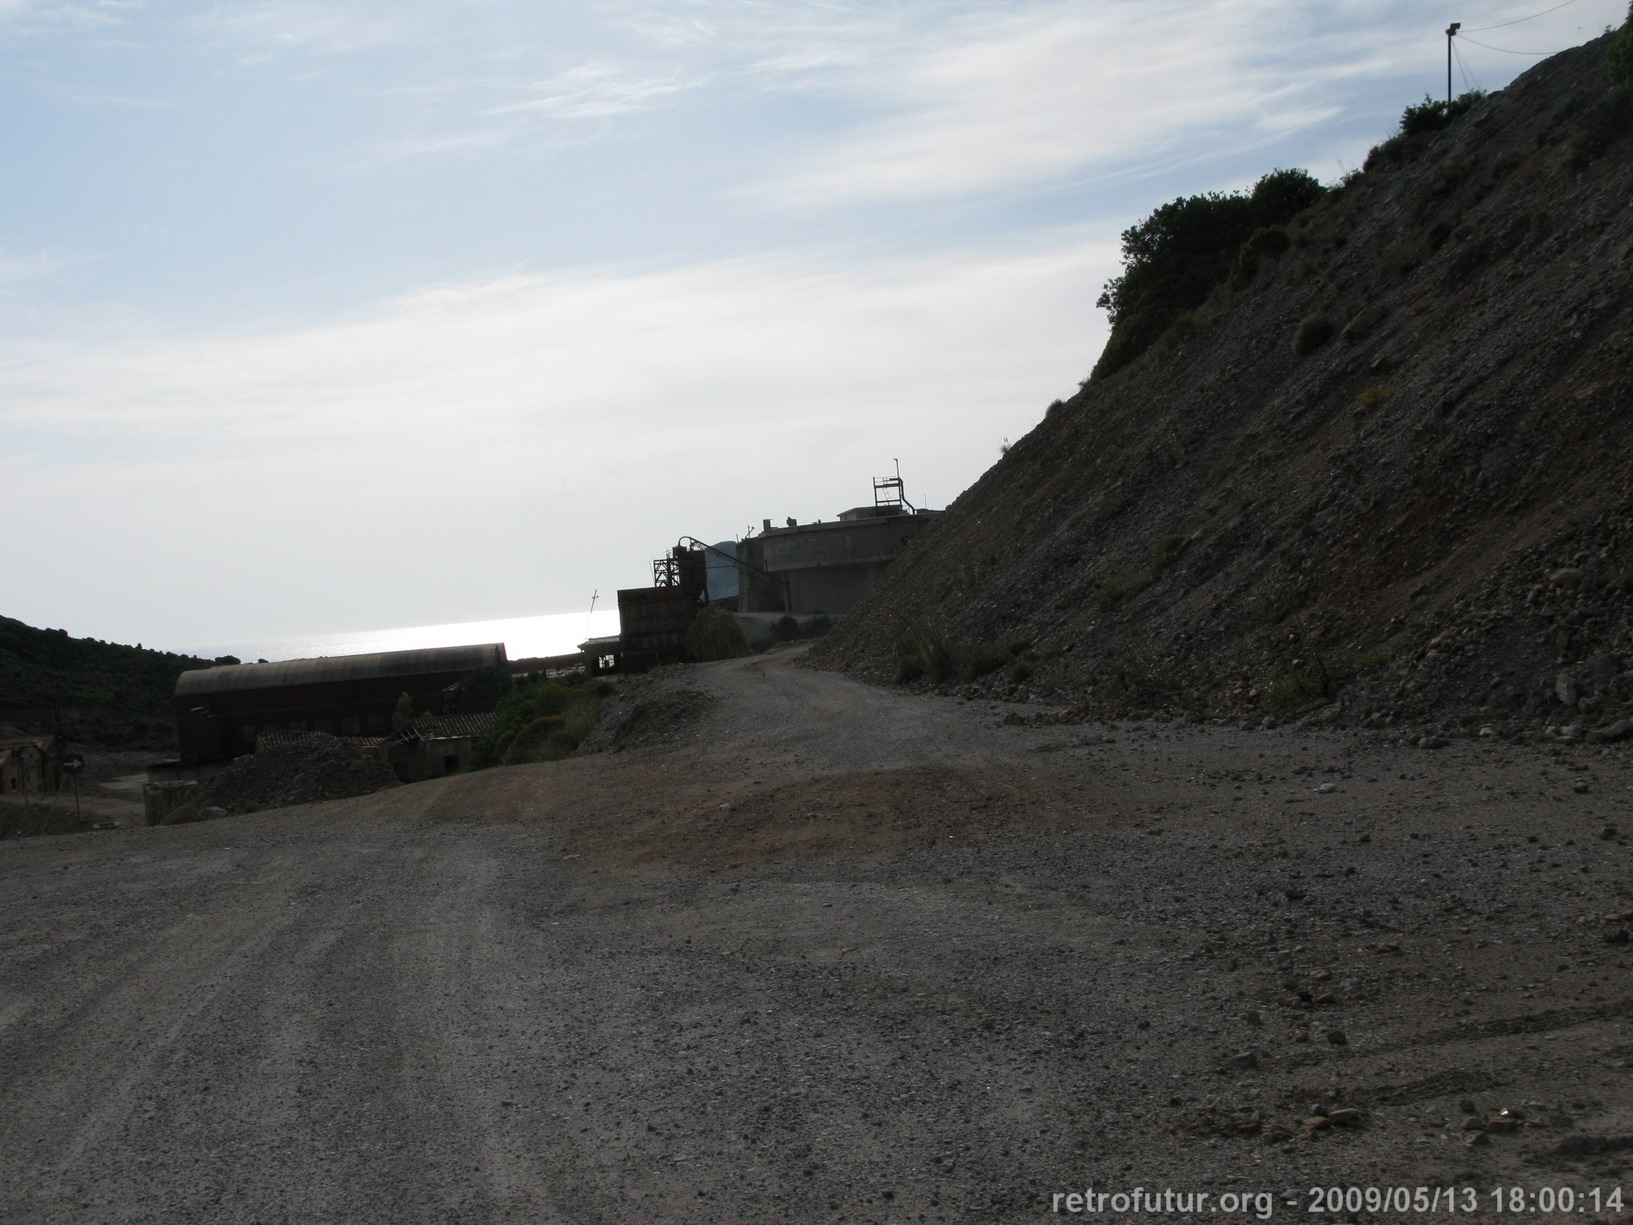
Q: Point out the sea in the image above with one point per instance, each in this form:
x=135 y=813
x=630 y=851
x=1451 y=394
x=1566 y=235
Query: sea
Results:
x=524 y=638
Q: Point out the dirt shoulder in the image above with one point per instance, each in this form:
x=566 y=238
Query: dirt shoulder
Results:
x=794 y=947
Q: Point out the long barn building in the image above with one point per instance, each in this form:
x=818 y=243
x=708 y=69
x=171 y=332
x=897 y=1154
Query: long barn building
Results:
x=221 y=710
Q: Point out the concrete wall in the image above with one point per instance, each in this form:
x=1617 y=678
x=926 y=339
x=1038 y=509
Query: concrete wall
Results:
x=828 y=566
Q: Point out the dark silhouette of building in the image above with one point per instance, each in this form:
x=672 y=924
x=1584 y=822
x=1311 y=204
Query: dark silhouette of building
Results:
x=220 y=711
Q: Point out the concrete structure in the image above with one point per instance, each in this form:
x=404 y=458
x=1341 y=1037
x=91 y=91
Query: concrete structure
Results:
x=720 y=559
x=826 y=567
x=601 y=654
x=221 y=711
x=435 y=746
x=30 y=765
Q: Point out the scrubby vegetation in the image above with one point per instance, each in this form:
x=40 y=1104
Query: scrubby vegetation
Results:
x=1417 y=130
x=923 y=652
x=715 y=634
x=480 y=692
x=543 y=721
x=791 y=629
x=101 y=692
x=1176 y=257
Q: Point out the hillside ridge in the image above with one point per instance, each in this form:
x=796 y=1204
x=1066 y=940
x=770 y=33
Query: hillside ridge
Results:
x=1426 y=516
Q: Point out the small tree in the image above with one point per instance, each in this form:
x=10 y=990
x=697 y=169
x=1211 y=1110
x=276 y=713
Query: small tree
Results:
x=403 y=714
x=715 y=634
x=1173 y=259
x=481 y=691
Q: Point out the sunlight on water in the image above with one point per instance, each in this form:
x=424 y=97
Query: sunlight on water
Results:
x=524 y=637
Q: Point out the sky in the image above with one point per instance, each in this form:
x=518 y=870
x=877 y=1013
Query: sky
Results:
x=327 y=317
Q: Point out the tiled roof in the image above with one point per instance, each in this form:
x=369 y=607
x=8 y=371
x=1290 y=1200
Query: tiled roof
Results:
x=453 y=727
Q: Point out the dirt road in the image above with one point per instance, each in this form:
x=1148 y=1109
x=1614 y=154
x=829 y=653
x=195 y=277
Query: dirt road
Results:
x=799 y=949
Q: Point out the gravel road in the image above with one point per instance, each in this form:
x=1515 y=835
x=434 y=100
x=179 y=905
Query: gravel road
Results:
x=798 y=949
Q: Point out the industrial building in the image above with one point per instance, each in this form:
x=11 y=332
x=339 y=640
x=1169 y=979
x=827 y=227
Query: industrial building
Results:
x=800 y=569
x=827 y=567
x=220 y=711
x=29 y=764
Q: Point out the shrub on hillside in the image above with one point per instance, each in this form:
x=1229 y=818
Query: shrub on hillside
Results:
x=1619 y=59
x=1175 y=257
x=544 y=721
x=1313 y=332
x=480 y=692
x=715 y=634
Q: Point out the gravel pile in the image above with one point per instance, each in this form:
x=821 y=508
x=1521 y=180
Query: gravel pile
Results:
x=322 y=768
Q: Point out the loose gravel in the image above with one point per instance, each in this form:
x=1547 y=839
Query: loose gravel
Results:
x=819 y=952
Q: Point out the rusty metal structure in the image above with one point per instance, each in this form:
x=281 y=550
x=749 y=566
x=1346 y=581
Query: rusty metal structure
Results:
x=653 y=620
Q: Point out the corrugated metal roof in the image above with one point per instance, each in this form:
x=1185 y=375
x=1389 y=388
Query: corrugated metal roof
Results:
x=230 y=678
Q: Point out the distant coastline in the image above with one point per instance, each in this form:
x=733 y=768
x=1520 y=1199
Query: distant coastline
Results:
x=524 y=637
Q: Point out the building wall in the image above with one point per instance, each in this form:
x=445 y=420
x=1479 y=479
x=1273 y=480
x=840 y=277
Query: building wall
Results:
x=829 y=567
x=363 y=706
x=30 y=766
x=652 y=625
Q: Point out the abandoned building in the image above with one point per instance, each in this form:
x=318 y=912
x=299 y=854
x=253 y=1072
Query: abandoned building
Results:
x=221 y=711
x=434 y=746
x=802 y=569
x=652 y=621
x=826 y=567
x=29 y=764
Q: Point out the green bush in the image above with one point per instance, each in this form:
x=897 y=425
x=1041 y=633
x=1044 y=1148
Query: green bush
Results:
x=543 y=721
x=1266 y=243
x=1176 y=257
x=817 y=626
x=1432 y=114
x=480 y=692
x=541 y=740
x=1270 y=606
x=1619 y=59
x=715 y=634
x=1313 y=332
x=1165 y=552
x=1297 y=689
x=929 y=654
x=1120 y=588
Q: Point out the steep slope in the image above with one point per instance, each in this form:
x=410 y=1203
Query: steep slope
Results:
x=1430 y=514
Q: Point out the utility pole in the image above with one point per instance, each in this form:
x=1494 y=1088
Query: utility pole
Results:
x=1451 y=33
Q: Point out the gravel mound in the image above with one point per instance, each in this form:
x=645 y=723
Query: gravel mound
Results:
x=322 y=768
x=653 y=710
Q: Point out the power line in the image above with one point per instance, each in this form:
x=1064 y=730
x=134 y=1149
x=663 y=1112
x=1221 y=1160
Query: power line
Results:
x=1463 y=70
x=1520 y=20
x=1506 y=50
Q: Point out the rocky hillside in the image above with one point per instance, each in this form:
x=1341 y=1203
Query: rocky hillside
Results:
x=1388 y=480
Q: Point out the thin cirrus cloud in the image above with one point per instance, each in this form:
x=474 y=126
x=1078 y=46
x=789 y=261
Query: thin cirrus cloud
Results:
x=323 y=28
x=600 y=90
x=1058 y=91
x=560 y=356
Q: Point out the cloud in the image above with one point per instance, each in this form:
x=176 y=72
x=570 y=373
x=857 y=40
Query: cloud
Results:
x=15 y=269
x=1045 y=92
x=496 y=413
x=329 y=28
x=600 y=90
